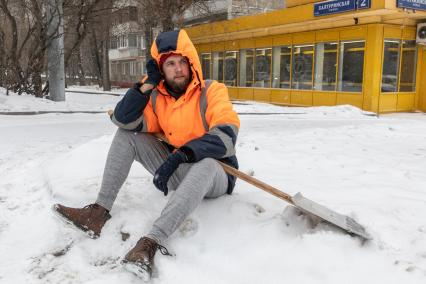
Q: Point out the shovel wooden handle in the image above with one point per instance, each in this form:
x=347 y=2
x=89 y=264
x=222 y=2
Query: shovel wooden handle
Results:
x=260 y=184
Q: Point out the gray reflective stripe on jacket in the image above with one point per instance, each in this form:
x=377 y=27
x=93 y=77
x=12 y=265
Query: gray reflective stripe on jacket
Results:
x=227 y=141
x=132 y=125
x=203 y=102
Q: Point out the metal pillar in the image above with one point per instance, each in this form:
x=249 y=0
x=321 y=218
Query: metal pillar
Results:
x=55 y=52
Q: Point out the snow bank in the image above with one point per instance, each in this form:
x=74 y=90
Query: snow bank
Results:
x=73 y=102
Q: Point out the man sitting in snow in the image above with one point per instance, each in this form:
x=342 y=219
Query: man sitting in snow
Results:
x=198 y=122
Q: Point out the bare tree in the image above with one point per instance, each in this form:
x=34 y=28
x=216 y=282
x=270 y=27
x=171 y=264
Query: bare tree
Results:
x=88 y=24
x=101 y=31
x=25 y=39
x=2 y=58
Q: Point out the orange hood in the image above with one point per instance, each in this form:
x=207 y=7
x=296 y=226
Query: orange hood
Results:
x=178 y=42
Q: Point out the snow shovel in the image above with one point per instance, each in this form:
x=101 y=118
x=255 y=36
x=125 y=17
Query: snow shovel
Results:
x=299 y=201
x=308 y=206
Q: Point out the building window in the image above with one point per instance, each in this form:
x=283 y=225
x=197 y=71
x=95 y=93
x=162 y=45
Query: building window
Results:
x=133 y=14
x=263 y=67
x=231 y=67
x=246 y=68
x=303 y=57
x=141 y=42
x=115 y=20
x=114 y=70
x=390 y=66
x=206 y=60
x=351 y=66
x=325 y=66
x=114 y=42
x=135 y=68
x=120 y=17
x=218 y=66
x=133 y=42
x=122 y=41
x=138 y=68
x=281 y=67
x=407 y=81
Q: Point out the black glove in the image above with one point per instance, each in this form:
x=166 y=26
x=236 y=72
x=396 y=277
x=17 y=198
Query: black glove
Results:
x=154 y=74
x=165 y=171
x=136 y=89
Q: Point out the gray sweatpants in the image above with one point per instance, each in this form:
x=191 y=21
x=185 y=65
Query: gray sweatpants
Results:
x=191 y=182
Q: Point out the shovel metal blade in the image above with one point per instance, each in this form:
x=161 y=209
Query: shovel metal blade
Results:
x=344 y=222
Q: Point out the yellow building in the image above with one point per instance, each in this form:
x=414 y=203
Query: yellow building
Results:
x=358 y=52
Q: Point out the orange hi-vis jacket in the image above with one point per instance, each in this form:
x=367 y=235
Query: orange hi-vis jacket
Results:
x=201 y=121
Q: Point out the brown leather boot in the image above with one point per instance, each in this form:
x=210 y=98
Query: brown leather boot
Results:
x=90 y=218
x=140 y=259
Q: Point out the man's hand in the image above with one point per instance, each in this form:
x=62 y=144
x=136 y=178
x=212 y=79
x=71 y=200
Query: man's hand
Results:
x=154 y=74
x=165 y=171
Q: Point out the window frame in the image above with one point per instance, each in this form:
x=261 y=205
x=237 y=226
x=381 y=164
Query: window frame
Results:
x=210 y=77
x=336 y=72
x=294 y=46
x=279 y=48
x=340 y=61
x=220 y=80
x=245 y=67
x=236 y=53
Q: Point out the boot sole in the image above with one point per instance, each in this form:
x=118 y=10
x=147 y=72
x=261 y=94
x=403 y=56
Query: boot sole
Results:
x=73 y=225
x=141 y=270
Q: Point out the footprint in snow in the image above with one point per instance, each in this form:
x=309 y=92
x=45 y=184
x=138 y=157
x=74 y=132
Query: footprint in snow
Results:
x=408 y=266
x=110 y=262
x=241 y=208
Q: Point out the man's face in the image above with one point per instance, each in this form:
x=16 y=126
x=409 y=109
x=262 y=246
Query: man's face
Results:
x=176 y=72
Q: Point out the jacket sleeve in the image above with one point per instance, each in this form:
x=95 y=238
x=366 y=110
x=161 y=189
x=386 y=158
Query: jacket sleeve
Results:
x=134 y=112
x=219 y=141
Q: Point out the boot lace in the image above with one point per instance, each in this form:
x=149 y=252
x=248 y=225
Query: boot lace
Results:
x=91 y=206
x=163 y=250
x=151 y=247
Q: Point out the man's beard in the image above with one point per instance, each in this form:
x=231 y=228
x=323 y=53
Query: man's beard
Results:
x=178 y=87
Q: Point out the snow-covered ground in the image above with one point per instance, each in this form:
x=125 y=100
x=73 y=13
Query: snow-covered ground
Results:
x=370 y=168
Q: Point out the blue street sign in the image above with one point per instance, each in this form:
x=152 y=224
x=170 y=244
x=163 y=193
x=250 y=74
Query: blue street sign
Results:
x=363 y=4
x=412 y=4
x=333 y=7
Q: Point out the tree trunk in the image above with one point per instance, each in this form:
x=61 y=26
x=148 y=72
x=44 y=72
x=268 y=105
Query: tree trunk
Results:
x=148 y=42
x=97 y=57
x=105 y=66
x=81 y=73
x=38 y=88
x=2 y=60
x=106 y=83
